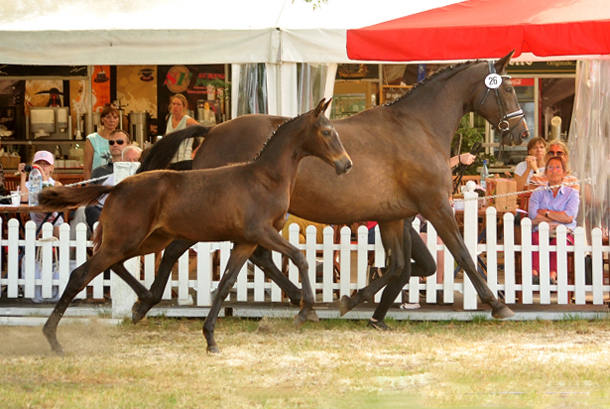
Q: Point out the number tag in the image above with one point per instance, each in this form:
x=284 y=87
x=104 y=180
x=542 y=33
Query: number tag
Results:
x=493 y=81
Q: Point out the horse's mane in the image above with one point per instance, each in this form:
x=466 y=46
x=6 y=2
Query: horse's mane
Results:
x=288 y=121
x=444 y=73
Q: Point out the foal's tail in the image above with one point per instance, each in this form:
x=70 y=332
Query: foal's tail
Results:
x=163 y=151
x=62 y=197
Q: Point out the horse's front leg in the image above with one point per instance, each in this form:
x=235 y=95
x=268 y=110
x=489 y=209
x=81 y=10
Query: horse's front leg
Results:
x=262 y=258
x=172 y=253
x=444 y=222
x=239 y=255
x=274 y=241
x=392 y=238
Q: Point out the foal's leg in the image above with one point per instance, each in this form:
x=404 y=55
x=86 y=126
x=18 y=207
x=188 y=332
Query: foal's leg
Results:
x=392 y=238
x=120 y=270
x=79 y=278
x=172 y=253
x=444 y=222
x=262 y=258
x=239 y=255
x=274 y=241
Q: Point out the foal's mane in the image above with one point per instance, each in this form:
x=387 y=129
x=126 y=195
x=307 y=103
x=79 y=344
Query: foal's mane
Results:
x=444 y=73
x=282 y=126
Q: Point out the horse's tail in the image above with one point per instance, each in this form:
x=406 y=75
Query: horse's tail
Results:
x=163 y=151
x=62 y=197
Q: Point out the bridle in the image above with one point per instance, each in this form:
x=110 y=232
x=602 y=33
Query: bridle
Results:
x=504 y=122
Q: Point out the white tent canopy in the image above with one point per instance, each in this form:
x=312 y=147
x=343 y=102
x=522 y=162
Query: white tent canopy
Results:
x=135 y=32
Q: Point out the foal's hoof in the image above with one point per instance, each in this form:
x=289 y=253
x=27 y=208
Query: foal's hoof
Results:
x=298 y=321
x=502 y=311
x=136 y=314
x=313 y=316
x=213 y=349
x=346 y=305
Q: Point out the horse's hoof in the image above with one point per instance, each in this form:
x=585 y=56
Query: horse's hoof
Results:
x=502 y=311
x=136 y=315
x=313 y=316
x=298 y=321
x=213 y=349
x=346 y=305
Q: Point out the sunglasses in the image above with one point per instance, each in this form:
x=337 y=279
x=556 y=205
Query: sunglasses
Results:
x=558 y=153
x=118 y=142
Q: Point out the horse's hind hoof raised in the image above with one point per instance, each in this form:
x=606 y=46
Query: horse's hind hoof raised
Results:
x=502 y=311
x=346 y=305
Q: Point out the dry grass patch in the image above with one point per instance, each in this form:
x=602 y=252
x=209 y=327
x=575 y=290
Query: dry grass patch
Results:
x=162 y=363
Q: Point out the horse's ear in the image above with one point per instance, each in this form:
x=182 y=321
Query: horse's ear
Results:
x=503 y=62
x=327 y=104
x=321 y=107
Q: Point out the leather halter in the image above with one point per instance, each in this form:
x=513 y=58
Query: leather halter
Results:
x=504 y=122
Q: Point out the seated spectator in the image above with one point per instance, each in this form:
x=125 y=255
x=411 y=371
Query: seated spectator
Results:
x=302 y=227
x=556 y=205
x=118 y=141
x=533 y=163
x=560 y=150
x=45 y=162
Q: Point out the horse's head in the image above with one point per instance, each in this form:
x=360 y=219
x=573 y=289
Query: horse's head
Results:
x=325 y=142
x=499 y=105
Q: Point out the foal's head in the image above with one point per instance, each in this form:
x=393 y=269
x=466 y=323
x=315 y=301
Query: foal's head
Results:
x=323 y=140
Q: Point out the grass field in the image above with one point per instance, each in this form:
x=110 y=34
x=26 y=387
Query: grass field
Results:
x=162 y=363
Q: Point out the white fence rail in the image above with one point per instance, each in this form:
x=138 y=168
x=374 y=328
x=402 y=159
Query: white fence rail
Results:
x=33 y=268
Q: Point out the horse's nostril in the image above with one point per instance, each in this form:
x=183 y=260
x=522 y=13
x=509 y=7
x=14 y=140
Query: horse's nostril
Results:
x=525 y=134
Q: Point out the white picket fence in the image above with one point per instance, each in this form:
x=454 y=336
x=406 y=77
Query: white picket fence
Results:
x=54 y=259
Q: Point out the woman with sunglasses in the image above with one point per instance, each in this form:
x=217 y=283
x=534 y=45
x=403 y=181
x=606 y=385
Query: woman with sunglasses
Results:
x=97 y=150
x=560 y=150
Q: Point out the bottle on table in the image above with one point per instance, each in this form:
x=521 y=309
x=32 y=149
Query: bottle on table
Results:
x=35 y=180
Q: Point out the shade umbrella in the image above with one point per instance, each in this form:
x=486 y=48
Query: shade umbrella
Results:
x=488 y=29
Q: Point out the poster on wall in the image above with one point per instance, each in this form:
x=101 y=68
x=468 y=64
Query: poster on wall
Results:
x=200 y=84
x=137 y=88
x=100 y=86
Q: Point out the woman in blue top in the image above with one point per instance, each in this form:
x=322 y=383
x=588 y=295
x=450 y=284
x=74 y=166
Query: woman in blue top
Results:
x=97 y=150
x=557 y=205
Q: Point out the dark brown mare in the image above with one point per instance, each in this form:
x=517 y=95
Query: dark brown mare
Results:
x=400 y=152
x=245 y=204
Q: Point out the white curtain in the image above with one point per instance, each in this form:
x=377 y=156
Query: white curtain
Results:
x=286 y=89
x=589 y=141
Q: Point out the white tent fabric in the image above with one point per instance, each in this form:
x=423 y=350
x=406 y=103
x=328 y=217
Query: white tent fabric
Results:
x=134 y=32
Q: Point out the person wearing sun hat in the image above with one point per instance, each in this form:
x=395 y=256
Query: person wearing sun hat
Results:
x=45 y=162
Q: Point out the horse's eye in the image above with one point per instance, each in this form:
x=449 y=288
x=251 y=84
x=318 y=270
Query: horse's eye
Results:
x=326 y=133
x=509 y=89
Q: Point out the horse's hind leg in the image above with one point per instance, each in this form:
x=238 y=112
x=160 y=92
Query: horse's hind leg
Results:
x=172 y=253
x=134 y=283
x=239 y=255
x=262 y=258
x=79 y=278
x=392 y=238
x=414 y=248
